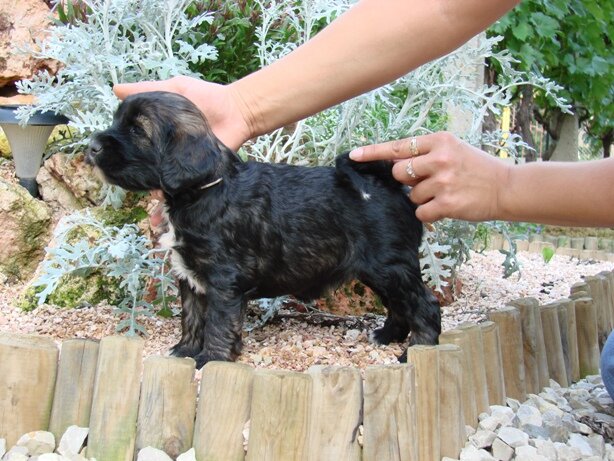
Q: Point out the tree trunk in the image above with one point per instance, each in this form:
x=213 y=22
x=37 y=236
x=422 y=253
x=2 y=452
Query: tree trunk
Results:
x=606 y=142
x=567 y=145
x=523 y=121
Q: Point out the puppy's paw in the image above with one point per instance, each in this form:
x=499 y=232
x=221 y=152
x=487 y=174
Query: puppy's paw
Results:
x=205 y=357
x=182 y=350
x=387 y=334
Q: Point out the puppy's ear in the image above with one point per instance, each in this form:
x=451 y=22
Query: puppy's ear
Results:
x=190 y=161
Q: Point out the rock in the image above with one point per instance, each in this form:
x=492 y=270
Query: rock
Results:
x=68 y=182
x=597 y=444
x=73 y=440
x=491 y=423
x=51 y=457
x=545 y=448
x=529 y=453
x=504 y=415
x=16 y=454
x=21 y=23
x=528 y=414
x=581 y=443
x=535 y=432
x=152 y=454
x=25 y=231
x=567 y=453
x=502 y=451
x=37 y=443
x=513 y=437
x=189 y=455
x=2 y=447
x=483 y=439
x=471 y=453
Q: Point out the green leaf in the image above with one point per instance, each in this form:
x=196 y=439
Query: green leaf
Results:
x=522 y=31
x=547 y=253
x=545 y=26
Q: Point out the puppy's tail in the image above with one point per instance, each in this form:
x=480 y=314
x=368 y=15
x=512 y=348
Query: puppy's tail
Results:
x=357 y=174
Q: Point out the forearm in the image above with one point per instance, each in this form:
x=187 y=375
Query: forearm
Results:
x=570 y=194
x=371 y=44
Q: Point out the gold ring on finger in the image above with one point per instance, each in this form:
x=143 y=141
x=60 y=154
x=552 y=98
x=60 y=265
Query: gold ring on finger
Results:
x=410 y=169
x=413 y=146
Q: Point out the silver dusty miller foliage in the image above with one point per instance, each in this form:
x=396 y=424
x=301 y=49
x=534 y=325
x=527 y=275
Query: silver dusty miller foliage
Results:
x=121 y=41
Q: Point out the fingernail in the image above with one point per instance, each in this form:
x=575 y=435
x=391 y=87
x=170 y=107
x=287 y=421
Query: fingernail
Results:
x=356 y=154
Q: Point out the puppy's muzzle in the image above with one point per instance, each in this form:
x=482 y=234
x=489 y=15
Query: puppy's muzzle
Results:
x=94 y=148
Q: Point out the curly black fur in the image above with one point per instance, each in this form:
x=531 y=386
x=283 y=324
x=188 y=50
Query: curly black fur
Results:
x=265 y=230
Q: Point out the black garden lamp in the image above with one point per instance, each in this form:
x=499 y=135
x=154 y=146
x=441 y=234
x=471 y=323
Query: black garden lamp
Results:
x=28 y=142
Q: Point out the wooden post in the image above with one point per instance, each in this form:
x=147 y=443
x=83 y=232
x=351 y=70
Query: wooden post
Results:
x=390 y=421
x=425 y=360
x=280 y=413
x=459 y=338
x=561 y=307
x=510 y=333
x=494 y=363
x=167 y=406
x=567 y=323
x=115 y=403
x=532 y=339
x=477 y=366
x=74 y=387
x=588 y=344
x=336 y=413
x=608 y=285
x=28 y=366
x=223 y=409
x=554 y=345
x=598 y=295
x=451 y=420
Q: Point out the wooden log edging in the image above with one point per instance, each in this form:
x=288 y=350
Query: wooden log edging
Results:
x=406 y=412
x=584 y=248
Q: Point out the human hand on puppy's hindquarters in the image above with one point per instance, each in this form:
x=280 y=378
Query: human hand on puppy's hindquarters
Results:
x=452 y=178
x=221 y=105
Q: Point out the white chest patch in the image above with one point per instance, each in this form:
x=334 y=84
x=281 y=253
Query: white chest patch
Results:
x=168 y=241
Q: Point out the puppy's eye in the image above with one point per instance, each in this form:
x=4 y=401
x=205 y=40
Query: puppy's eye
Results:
x=136 y=130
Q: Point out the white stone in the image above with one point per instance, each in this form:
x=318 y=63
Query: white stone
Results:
x=513 y=437
x=505 y=415
x=528 y=414
x=37 y=442
x=152 y=454
x=545 y=448
x=492 y=423
x=73 y=440
x=2 y=447
x=17 y=451
x=567 y=453
x=597 y=444
x=189 y=455
x=483 y=439
x=502 y=451
x=51 y=457
x=15 y=456
x=529 y=453
x=581 y=443
x=471 y=453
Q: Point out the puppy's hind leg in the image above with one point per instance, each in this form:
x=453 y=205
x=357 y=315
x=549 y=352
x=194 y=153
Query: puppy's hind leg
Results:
x=412 y=308
x=193 y=308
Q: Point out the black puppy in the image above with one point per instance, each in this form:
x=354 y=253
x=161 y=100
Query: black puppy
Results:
x=243 y=230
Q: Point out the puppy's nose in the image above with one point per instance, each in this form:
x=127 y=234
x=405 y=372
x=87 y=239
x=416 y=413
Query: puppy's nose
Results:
x=94 y=148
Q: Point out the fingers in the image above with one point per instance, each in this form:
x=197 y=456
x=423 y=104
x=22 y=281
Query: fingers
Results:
x=123 y=90
x=395 y=150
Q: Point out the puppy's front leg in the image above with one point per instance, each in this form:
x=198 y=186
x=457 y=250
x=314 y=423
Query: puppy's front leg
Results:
x=223 y=326
x=193 y=308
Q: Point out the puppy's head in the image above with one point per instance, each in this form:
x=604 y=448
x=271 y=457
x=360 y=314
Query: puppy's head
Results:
x=158 y=140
